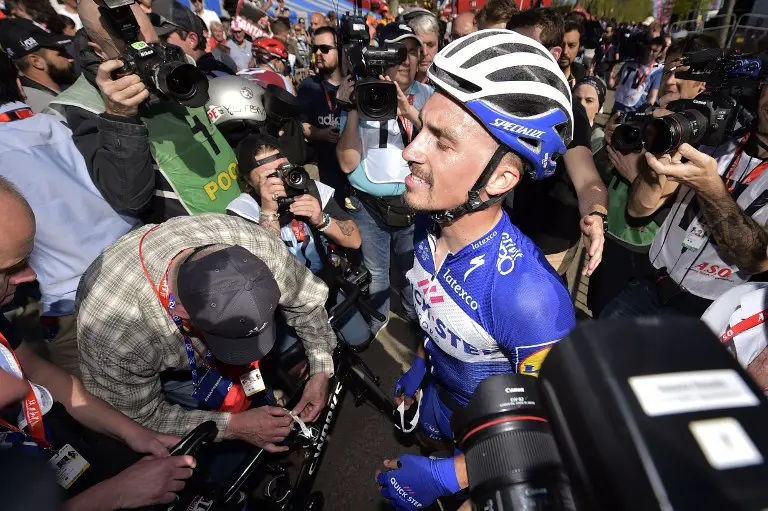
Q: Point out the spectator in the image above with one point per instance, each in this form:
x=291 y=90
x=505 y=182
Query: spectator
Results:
x=496 y=14
x=38 y=149
x=153 y=313
x=217 y=46
x=463 y=24
x=321 y=114
x=313 y=218
x=316 y=21
x=70 y=29
x=281 y=11
x=637 y=82
x=628 y=239
x=607 y=53
x=179 y=26
x=427 y=30
x=125 y=141
x=239 y=47
x=44 y=65
x=281 y=30
x=74 y=419
x=572 y=70
x=39 y=11
x=69 y=9
x=208 y=16
x=377 y=174
x=269 y=65
x=333 y=19
x=590 y=91
x=548 y=211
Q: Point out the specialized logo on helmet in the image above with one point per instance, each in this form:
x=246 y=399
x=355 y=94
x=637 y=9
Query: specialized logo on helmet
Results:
x=246 y=92
x=517 y=129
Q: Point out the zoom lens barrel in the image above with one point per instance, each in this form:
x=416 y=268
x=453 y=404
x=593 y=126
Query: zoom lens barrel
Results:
x=665 y=134
x=182 y=82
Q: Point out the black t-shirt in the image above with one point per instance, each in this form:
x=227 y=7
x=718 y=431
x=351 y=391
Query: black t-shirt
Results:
x=547 y=211
x=10 y=332
x=314 y=96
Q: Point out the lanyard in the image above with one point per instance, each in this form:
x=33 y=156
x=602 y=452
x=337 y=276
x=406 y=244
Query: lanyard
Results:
x=298 y=230
x=31 y=409
x=639 y=80
x=331 y=108
x=744 y=325
x=406 y=123
x=16 y=115
x=754 y=173
x=163 y=294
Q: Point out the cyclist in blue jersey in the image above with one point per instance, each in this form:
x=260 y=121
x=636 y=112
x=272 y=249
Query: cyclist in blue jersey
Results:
x=485 y=296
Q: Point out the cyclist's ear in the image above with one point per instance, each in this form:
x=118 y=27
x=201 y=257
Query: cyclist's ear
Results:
x=506 y=176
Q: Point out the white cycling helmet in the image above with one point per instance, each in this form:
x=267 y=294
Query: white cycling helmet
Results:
x=738 y=319
x=514 y=86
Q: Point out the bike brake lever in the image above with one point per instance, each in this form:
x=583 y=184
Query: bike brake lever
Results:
x=205 y=432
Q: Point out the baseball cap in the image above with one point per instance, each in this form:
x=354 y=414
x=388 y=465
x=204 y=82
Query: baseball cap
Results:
x=20 y=37
x=396 y=33
x=170 y=15
x=231 y=296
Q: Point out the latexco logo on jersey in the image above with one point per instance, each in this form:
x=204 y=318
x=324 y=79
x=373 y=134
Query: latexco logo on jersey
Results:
x=462 y=293
x=483 y=241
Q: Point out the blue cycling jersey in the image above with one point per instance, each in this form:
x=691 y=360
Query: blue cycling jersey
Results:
x=496 y=306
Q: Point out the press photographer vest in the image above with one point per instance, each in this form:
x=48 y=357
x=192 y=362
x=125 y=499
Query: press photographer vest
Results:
x=190 y=153
x=702 y=272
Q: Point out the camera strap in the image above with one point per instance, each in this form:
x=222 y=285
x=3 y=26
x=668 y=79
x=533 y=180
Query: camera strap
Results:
x=268 y=159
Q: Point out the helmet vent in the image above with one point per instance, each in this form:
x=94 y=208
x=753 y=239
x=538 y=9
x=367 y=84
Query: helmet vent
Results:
x=455 y=81
x=529 y=74
x=500 y=50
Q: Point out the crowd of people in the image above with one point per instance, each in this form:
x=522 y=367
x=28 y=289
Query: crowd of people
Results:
x=178 y=250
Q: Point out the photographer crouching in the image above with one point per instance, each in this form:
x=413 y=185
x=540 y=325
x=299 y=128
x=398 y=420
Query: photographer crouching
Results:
x=714 y=238
x=370 y=152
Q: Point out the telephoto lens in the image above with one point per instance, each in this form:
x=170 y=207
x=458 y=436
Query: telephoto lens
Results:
x=665 y=134
x=511 y=455
x=182 y=82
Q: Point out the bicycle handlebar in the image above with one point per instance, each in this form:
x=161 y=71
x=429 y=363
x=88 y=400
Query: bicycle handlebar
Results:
x=352 y=296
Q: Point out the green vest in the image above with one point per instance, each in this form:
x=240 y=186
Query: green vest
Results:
x=638 y=236
x=190 y=152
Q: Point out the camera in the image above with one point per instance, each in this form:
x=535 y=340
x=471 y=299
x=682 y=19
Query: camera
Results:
x=733 y=84
x=642 y=414
x=296 y=181
x=375 y=99
x=162 y=68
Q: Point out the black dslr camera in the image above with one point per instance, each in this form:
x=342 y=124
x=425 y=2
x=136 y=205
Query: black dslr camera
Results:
x=733 y=85
x=296 y=181
x=376 y=99
x=622 y=417
x=162 y=68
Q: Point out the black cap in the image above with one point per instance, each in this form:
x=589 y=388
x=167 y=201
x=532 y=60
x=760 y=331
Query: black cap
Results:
x=20 y=37
x=231 y=296
x=396 y=33
x=170 y=15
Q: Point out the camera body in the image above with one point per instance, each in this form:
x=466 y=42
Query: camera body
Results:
x=374 y=98
x=733 y=85
x=296 y=182
x=162 y=68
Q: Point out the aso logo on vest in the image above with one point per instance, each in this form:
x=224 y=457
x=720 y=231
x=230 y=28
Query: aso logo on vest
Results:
x=224 y=181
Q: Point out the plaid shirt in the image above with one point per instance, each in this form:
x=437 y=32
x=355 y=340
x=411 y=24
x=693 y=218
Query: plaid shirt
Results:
x=126 y=337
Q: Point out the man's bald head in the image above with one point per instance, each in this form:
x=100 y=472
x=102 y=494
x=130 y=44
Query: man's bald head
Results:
x=101 y=33
x=317 y=20
x=17 y=232
x=464 y=24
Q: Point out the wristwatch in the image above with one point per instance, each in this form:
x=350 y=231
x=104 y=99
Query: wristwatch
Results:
x=325 y=224
x=601 y=215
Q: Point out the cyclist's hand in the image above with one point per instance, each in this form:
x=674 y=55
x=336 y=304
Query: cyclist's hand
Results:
x=407 y=385
x=150 y=481
x=263 y=427
x=313 y=398
x=426 y=479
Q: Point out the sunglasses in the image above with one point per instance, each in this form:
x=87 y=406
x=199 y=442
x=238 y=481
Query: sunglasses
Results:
x=324 y=48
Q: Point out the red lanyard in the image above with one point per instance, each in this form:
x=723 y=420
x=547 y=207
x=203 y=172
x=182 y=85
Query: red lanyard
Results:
x=753 y=174
x=328 y=99
x=744 y=325
x=406 y=123
x=16 y=115
x=639 y=81
x=31 y=409
x=298 y=230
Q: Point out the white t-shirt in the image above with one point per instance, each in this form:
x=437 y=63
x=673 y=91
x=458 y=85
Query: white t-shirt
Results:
x=74 y=16
x=683 y=244
x=208 y=17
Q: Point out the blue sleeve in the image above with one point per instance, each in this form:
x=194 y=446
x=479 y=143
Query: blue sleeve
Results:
x=656 y=83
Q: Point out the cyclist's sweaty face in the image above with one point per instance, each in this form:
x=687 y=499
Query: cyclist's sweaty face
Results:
x=447 y=157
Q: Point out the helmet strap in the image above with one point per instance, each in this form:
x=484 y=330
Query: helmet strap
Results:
x=474 y=202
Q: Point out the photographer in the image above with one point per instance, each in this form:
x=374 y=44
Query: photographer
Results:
x=55 y=416
x=487 y=299
x=123 y=133
x=629 y=239
x=175 y=317
x=637 y=82
x=714 y=239
x=313 y=215
x=370 y=152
